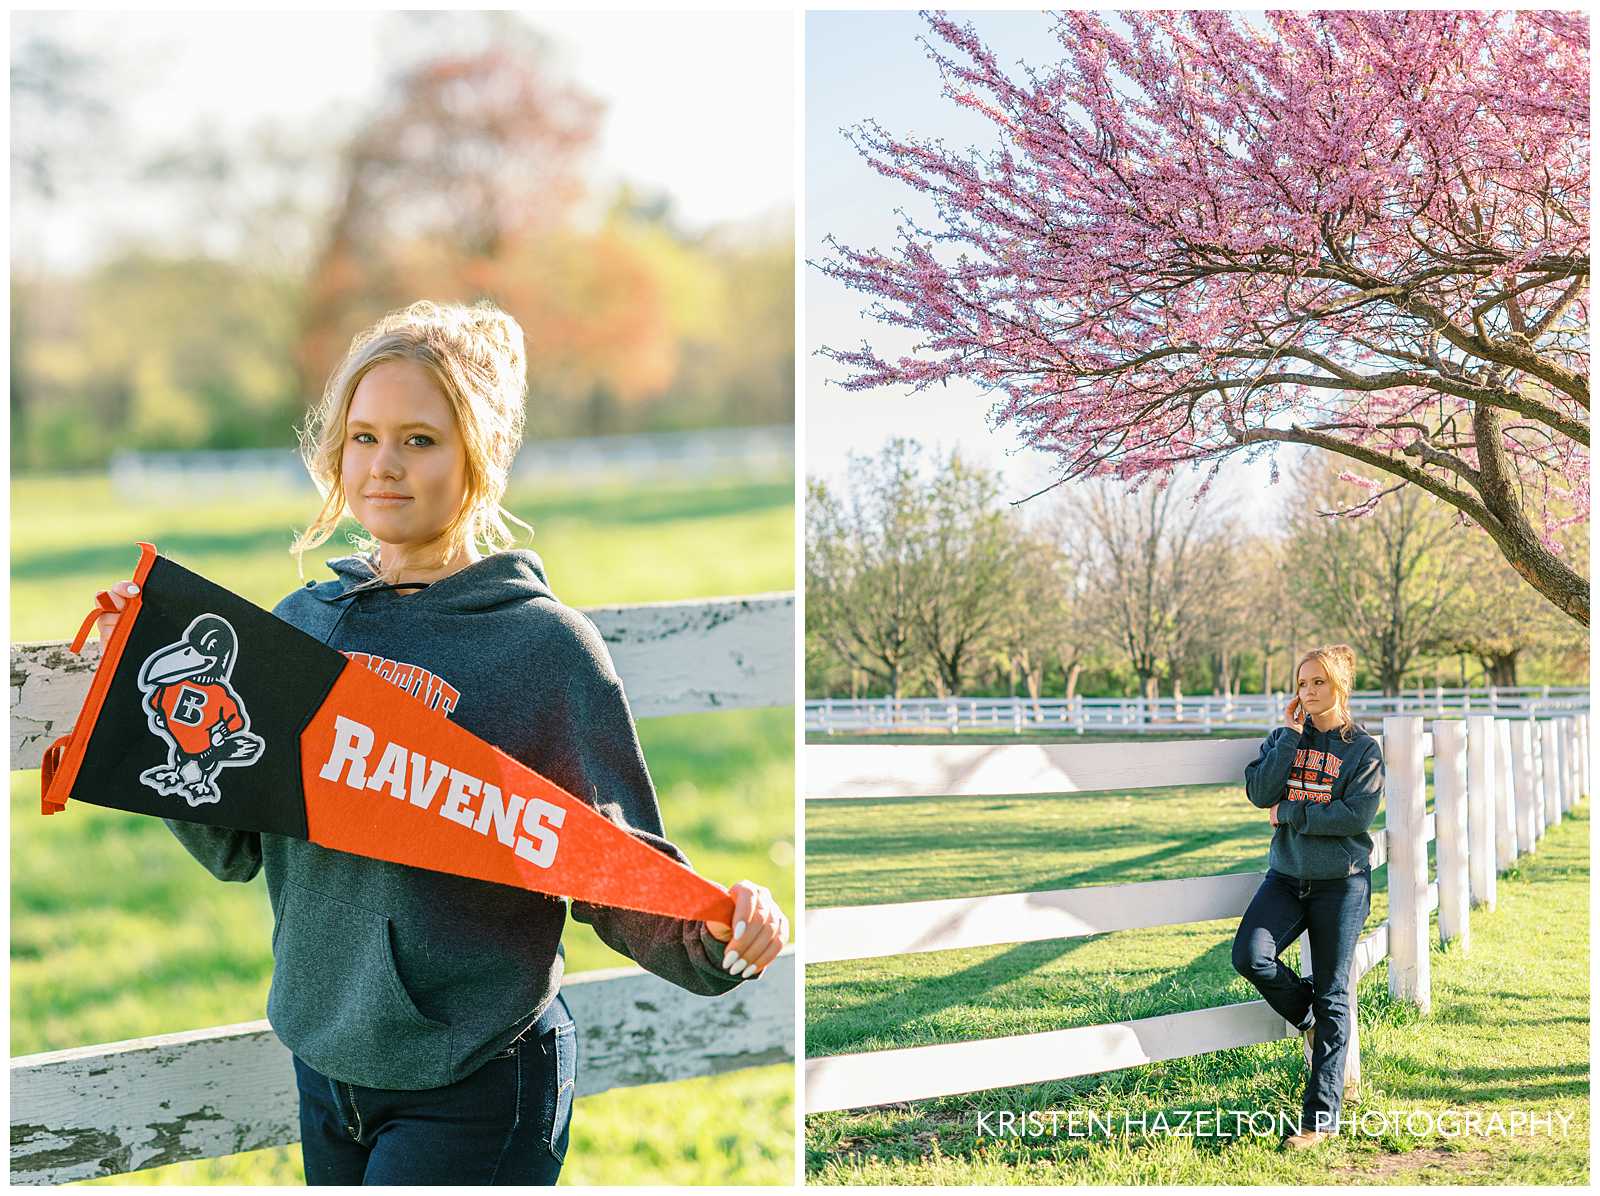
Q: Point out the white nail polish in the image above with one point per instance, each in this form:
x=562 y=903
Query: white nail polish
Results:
x=738 y=929
x=736 y=964
x=749 y=971
x=133 y=589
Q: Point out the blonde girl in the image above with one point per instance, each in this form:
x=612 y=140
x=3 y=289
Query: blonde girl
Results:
x=1320 y=778
x=423 y=1010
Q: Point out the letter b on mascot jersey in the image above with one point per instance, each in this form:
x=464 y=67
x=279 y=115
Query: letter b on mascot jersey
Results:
x=208 y=709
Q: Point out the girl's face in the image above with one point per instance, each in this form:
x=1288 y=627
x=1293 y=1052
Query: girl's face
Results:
x=1316 y=691
x=404 y=466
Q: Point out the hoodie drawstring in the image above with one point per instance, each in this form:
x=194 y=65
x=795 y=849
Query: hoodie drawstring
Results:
x=402 y=585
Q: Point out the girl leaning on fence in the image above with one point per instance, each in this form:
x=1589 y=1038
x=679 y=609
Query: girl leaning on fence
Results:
x=1320 y=779
x=430 y=1040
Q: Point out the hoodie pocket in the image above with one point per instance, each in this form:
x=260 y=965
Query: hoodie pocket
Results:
x=337 y=1000
x=1358 y=856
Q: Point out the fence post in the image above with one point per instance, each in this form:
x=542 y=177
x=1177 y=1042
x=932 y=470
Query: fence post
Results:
x=1408 y=861
x=1505 y=797
x=1550 y=768
x=1525 y=773
x=1450 y=827
x=1480 y=809
x=1583 y=753
x=1540 y=822
x=1569 y=757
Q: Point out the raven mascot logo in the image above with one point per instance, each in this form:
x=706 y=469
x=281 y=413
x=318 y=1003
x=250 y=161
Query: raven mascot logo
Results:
x=190 y=703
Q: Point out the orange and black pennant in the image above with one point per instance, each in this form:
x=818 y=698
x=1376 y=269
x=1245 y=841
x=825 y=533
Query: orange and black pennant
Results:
x=209 y=709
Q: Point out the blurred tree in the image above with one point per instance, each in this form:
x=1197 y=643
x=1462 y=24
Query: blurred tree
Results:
x=1497 y=619
x=970 y=565
x=60 y=107
x=1384 y=580
x=62 y=127
x=864 y=550
x=477 y=146
x=1224 y=634
x=161 y=353
x=1272 y=613
x=1038 y=606
x=1072 y=625
x=1154 y=571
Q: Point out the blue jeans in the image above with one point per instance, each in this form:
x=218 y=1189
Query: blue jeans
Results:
x=506 y=1123
x=1332 y=912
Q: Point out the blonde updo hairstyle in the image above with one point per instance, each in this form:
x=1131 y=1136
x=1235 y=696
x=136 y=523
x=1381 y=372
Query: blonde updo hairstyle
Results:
x=477 y=357
x=1339 y=662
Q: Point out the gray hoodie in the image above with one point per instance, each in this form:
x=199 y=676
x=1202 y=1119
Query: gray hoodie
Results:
x=390 y=976
x=1329 y=789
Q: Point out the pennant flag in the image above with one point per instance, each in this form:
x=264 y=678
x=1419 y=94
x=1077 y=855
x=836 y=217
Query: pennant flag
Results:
x=209 y=709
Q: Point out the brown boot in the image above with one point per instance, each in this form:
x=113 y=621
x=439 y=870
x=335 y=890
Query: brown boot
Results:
x=1305 y=1139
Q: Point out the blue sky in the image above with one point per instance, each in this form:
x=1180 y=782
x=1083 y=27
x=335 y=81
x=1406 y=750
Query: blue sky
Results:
x=862 y=65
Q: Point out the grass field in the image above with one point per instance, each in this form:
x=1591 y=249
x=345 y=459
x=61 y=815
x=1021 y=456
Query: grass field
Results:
x=1509 y=1027
x=165 y=947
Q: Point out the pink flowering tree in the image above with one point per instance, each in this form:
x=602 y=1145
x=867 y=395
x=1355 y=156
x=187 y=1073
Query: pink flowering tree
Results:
x=1361 y=231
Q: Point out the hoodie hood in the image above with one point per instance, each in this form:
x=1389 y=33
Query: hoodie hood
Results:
x=500 y=579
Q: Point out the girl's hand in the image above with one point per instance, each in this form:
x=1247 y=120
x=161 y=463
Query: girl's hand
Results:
x=120 y=593
x=758 y=932
x=1295 y=716
x=1272 y=813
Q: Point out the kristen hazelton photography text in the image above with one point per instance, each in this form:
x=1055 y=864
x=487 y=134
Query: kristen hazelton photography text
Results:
x=1196 y=673
x=1235 y=1123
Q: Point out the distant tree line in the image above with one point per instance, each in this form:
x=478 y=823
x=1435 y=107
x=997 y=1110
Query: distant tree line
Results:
x=922 y=581
x=466 y=179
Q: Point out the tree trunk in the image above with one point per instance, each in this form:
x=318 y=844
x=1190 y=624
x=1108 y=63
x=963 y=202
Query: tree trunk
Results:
x=1070 y=675
x=1501 y=667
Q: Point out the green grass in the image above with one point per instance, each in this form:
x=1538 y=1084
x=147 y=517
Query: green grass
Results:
x=1509 y=1027
x=161 y=946
x=72 y=537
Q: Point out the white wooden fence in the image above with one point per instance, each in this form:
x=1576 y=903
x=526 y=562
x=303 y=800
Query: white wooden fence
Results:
x=1498 y=785
x=118 y=1107
x=1202 y=712
x=149 y=477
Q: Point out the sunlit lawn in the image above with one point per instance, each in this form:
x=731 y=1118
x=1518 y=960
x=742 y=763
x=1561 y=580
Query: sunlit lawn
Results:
x=1509 y=1027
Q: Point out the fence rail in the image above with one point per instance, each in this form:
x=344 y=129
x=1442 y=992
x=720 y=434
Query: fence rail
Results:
x=751 y=452
x=111 y=1108
x=1201 y=713
x=1498 y=785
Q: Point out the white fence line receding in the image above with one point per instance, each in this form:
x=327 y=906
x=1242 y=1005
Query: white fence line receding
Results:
x=1201 y=713
x=112 y=1108
x=755 y=452
x=1499 y=784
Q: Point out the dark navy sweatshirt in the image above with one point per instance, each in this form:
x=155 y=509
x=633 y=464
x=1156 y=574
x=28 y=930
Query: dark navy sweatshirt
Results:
x=1327 y=790
x=390 y=976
